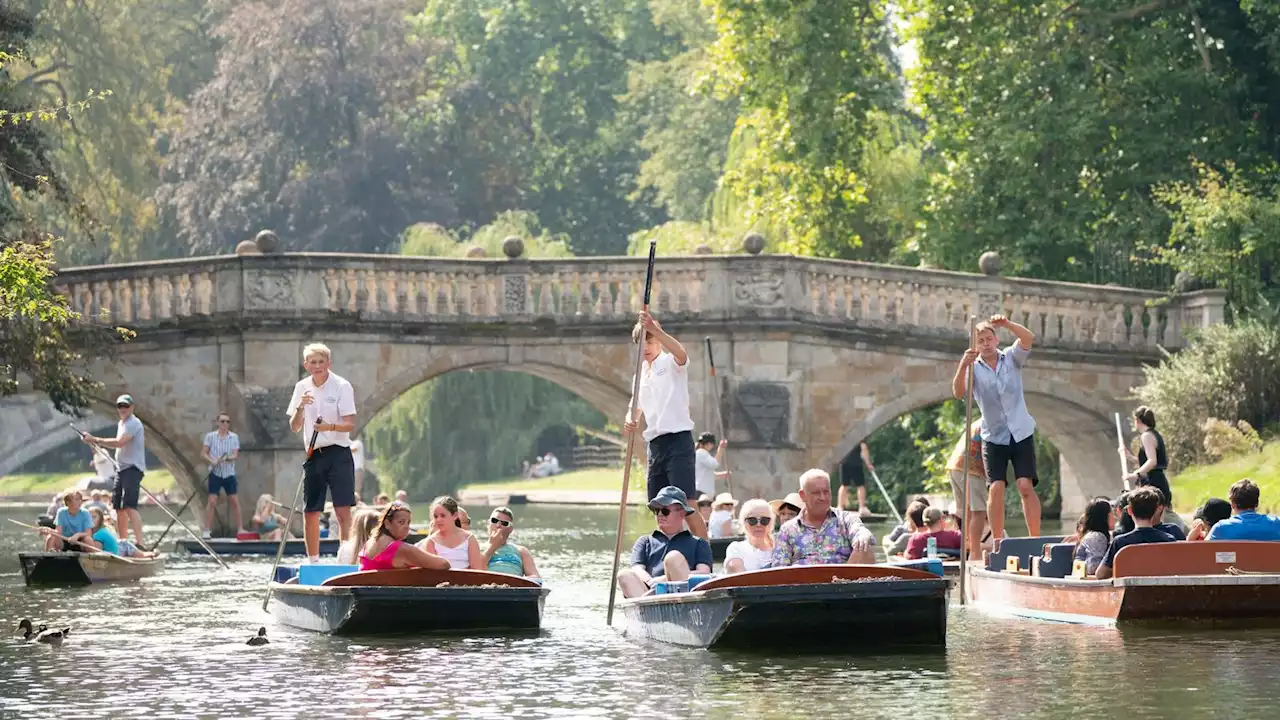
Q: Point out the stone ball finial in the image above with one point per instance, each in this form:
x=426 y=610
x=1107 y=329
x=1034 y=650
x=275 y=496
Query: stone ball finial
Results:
x=248 y=247
x=753 y=242
x=267 y=241
x=702 y=249
x=513 y=247
x=475 y=251
x=989 y=263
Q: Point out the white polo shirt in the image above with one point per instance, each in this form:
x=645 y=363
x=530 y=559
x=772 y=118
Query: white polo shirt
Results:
x=664 y=397
x=331 y=401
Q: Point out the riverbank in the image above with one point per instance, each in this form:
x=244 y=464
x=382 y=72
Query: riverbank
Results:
x=27 y=488
x=1198 y=483
x=590 y=486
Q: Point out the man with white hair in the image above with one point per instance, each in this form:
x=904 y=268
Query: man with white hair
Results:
x=821 y=534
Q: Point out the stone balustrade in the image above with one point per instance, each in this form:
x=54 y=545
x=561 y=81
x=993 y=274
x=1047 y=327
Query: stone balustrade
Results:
x=706 y=288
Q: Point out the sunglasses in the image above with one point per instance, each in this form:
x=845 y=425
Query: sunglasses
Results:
x=759 y=520
x=704 y=504
x=499 y=521
x=662 y=511
x=121 y=407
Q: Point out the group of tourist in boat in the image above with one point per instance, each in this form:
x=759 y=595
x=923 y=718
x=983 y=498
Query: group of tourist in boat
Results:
x=87 y=527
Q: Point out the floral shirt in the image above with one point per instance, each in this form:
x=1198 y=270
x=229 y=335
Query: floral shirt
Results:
x=799 y=543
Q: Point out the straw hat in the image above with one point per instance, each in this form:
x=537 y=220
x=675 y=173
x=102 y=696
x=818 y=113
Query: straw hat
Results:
x=724 y=498
x=792 y=499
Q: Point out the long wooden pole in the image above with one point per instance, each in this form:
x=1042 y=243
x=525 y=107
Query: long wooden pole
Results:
x=715 y=396
x=1124 y=460
x=92 y=550
x=964 y=481
x=626 y=468
x=169 y=527
x=288 y=526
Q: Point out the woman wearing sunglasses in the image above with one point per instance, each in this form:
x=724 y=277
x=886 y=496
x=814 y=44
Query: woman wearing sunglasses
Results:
x=756 y=551
x=387 y=550
x=503 y=556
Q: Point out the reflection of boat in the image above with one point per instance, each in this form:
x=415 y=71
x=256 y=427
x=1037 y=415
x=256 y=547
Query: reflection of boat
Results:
x=295 y=546
x=70 y=568
x=1160 y=581
x=843 y=607
x=411 y=601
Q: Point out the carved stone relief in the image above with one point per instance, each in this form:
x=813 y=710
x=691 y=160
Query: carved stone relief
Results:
x=271 y=288
x=267 y=412
x=759 y=290
x=766 y=409
x=514 y=290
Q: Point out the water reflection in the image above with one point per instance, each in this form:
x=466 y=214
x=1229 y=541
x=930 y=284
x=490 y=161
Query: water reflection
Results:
x=173 y=646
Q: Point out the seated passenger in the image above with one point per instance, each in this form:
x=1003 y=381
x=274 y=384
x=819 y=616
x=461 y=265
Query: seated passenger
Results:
x=72 y=523
x=266 y=521
x=1159 y=523
x=502 y=555
x=449 y=537
x=1094 y=534
x=387 y=550
x=97 y=500
x=363 y=524
x=105 y=539
x=381 y=499
x=1144 y=505
x=1245 y=522
x=945 y=539
x=670 y=552
x=895 y=543
x=756 y=551
x=821 y=534
x=720 y=523
x=464 y=519
x=785 y=509
x=1214 y=511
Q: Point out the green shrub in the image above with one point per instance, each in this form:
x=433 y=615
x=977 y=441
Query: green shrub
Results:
x=1222 y=439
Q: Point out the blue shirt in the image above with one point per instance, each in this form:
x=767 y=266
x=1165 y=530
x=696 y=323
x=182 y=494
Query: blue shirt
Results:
x=1247 y=525
x=69 y=524
x=107 y=540
x=650 y=550
x=998 y=392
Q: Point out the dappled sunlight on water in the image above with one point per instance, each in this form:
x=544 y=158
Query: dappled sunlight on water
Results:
x=172 y=646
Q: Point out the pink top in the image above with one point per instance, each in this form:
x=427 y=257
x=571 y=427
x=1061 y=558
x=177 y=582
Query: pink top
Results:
x=386 y=560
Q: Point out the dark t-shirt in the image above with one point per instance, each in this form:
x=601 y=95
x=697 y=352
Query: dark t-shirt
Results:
x=1138 y=536
x=650 y=550
x=1173 y=530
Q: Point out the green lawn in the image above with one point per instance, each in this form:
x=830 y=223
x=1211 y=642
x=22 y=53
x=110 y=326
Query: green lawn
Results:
x=1198 y=483
x=50 y=483
x=589 y=479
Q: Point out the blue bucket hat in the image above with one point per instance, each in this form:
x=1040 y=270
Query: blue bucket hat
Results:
x=671 y=495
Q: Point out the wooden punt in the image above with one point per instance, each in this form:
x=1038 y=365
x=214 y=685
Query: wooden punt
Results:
x=847 y=608
x=71 y=569
x=1216 y=581
x=413 y=601
x=293 y=547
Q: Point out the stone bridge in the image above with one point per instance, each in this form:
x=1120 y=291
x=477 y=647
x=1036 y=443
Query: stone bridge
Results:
x=813 y=355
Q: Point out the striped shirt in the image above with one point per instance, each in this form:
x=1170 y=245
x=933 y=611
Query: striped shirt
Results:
x=220 y=446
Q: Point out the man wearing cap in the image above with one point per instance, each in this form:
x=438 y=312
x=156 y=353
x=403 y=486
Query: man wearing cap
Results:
x=821 y=534
x=668 y=552
x=131 y=465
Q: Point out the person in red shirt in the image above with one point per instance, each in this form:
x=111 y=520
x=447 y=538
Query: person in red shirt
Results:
x=946 y=539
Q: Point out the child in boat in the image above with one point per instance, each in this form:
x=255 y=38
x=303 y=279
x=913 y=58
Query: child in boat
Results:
x=73 y=524
x=756 y=551
x=503 y=556
x=895 y=543
x=945 y=539
x=387 y=550
x=266 y=522
x=104 y=538
x=448 y=538
x=1144 y=506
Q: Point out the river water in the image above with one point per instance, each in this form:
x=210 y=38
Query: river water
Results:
x=173 y=646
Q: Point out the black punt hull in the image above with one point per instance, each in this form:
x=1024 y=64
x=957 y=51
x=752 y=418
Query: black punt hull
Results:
x=77 y=569
x=371 y=610
x=292 y=548
x=842 y=617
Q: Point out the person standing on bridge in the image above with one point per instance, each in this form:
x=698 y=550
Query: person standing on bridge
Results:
x=131 y=465
x=221 y=448
x=324 y=404
x=1008 y=430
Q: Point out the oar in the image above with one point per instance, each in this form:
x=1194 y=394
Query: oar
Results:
x=964 y=482
x=631 y=438
x=182 y=509
x=92 y=550
x=1124 y=459
x=715 y=392
x=284 y=536
x=282 y=505
x=892 y=507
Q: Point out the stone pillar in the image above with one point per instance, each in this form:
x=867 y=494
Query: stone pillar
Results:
x=277 y=471
x=1073 y=494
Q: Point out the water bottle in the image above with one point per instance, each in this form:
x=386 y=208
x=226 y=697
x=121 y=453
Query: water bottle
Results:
x=932 y=544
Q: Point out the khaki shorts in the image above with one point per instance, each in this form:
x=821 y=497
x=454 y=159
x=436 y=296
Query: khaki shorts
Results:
x=977 y=491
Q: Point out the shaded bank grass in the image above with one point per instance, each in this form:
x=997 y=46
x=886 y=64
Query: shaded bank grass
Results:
x=49 y=483
x=1198 y=483
x=576 y=480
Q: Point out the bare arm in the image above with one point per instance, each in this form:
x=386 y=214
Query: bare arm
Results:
x=348 y=424
x=412 y=556
x=866 y=457
x=1104 y=572
x=475 y=558
x=111 y=442
x=530 y=570
x=295 y=421
x=720 y=452
x=672 y=346
x=1148 y=444
x=206 y=455
x=960 y=383
x=1024 y=336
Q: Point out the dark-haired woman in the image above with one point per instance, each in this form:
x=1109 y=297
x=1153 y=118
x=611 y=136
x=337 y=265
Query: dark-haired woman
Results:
x=1152 y=461
x=449 y=540
x=387 y=550
x=1094 y=530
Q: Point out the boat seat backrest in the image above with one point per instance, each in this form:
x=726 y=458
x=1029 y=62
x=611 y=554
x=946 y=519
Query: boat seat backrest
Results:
x=1024 y=548
x=1197 y=558
x=1056 y=562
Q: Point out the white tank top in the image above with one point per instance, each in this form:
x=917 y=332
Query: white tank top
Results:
x=459 y=558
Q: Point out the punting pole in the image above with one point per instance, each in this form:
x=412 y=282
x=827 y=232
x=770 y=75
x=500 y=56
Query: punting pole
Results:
x=715 y=394
x=284 y=536
x=964 y=483
x=892 y=507
x=168 y=527
x=92 y=550
x=631 y=438
x=1124 y=459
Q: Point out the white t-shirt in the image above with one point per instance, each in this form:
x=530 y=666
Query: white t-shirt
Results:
x=664 y=397
x=752 y=558
x=357 y=452
x=103 y=466
x=704 y=468
x=718 y=518
x=332 y=401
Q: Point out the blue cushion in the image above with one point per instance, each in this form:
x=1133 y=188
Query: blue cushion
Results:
x=696 y=580
x=1024 y=548
x=285 y=573
x=317 y=574
x=933 y=565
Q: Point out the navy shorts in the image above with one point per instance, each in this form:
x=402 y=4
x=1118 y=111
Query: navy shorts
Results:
x=124 y=494
x=671 y=463
x=330 y=468
x=1022 y=454
x=216 y=483
x=853 y=474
